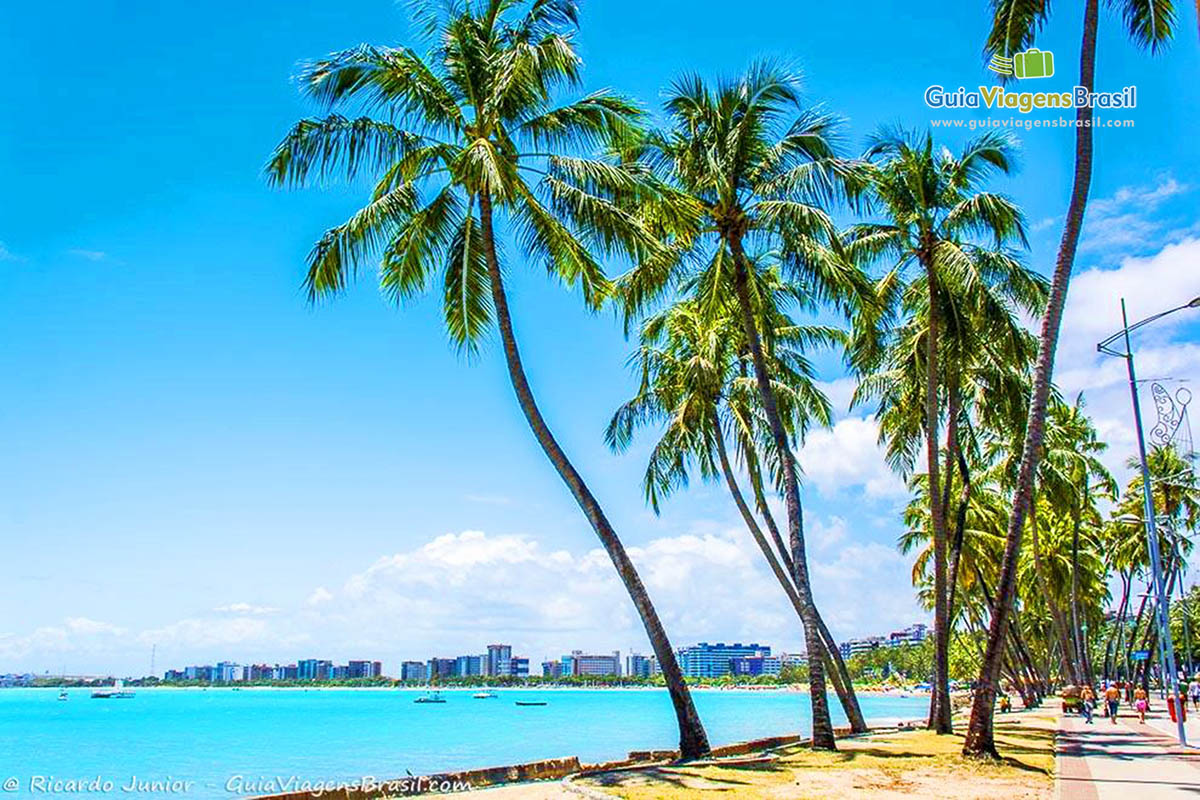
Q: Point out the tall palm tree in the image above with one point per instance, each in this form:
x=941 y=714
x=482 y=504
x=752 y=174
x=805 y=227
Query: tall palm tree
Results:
x=1015 y=24
x=466 y=144
x=935 y=208
x=694 y=385
x=754 y=170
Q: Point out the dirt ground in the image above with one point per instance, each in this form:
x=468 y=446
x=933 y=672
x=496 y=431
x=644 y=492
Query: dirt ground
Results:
x=885 y=766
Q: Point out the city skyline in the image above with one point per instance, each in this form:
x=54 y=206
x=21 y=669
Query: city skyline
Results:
x=577 y=662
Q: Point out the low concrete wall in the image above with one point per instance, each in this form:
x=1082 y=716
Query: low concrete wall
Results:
x=552 y=769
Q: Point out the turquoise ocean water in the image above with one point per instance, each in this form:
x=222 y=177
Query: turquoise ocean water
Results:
x=233 y=743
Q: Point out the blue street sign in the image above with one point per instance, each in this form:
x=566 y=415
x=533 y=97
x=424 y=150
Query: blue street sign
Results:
x=1141 y=655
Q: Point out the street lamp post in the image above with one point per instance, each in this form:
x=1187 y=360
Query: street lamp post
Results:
x=1166 y=644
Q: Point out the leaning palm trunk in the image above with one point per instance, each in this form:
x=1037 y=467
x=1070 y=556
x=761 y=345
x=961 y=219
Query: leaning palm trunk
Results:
x=838 y=675
x=980 y=732
x=693 y=741
x=822 y=733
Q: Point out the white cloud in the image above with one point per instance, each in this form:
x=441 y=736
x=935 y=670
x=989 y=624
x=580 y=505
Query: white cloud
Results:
x=1150 y=284
x=457 y=592
x=90 y=255
x=1122 y=223
x=319 y=595
x=848 y=456
x=245 y=608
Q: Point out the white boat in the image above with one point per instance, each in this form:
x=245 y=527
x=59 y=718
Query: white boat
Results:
x=117 y=692
x=430 y=697
x=62 y=694
x=488 y=695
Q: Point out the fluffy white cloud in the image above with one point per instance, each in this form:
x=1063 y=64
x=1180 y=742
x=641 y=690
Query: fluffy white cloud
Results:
x=1125 y=221
x=458 y=592
x=848 y=456
x=1150 y=284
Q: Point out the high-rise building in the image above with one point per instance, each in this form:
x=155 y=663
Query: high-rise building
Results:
x=853 y=647
x=637 y=666
x=580 y=663
x=364 y=669
x=706 y=660
x=414 y=671
x=468 y=666
x=314 y=669
x=499 y=657
x=552 y=669
x=518 y=667
x=441 y=668
x=753 y=666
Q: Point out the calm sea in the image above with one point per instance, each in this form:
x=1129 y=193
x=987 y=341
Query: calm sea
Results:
x=230 y=743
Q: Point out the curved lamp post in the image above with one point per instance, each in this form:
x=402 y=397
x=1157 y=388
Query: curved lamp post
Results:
x=1166 y=645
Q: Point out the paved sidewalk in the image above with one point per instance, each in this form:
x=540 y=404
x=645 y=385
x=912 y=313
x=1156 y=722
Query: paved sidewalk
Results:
x=1104 y=761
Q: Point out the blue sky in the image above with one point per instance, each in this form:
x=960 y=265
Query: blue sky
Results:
x=195 y=458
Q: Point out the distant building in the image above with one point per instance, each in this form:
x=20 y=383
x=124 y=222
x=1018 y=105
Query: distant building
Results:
x=414 y=671
x=552 y=669
x=854 y=647
x=638 y=666
x=468 y=666
x=579 y=663
x=793 y=660
x=518 y=667
x=364 y=669
x=753 y=666
x=913 y=634
x=314 y=669
x=441 y=668
x=706 y=660
x=499 y=658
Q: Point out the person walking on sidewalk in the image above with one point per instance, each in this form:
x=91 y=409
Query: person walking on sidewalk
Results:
x=1141 y=702
x=1089 y=703
x=1112 y=698
x=1194 y=691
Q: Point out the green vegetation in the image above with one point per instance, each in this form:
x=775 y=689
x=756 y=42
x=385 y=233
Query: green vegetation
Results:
x=482 y=156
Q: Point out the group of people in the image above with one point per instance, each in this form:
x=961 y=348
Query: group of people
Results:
x=1114 y=690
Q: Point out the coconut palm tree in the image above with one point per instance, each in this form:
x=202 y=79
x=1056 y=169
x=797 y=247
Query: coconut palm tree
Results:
x=935 y=210
x=468 y=146
x=753 y=170
x=1015 y=24
x=694 y=385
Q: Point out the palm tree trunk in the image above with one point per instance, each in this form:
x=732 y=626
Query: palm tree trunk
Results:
x=939 y=705
x=693 y=741
x=960 y=521
x=838 y=675
x=822 y=735
x=980 y=732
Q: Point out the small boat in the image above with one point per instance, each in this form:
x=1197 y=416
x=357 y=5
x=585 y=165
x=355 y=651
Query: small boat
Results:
x=430 y=697
x=117 y=692
x=62 y=694
x=531 y=702
x=488 y=695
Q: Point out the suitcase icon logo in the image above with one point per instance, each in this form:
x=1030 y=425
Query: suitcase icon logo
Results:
x=1032 y=63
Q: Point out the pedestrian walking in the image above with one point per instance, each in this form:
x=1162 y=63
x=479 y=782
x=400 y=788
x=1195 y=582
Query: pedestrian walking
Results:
x=1112 y=699
x=1089 y=703
x=1141 y=702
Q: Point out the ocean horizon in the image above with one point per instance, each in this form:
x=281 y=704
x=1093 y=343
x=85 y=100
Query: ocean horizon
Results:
x=209 y=743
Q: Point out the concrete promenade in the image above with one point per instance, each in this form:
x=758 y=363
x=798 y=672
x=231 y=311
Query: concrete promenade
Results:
x=1106 y=761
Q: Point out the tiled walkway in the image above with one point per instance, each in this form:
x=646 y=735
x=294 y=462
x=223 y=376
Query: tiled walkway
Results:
x=1104 y=761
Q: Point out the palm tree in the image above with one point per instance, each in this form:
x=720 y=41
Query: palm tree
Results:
x=460 y=142
x=1015 y=24
x=934 y=207
x=753 y=168
x=694 y=384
